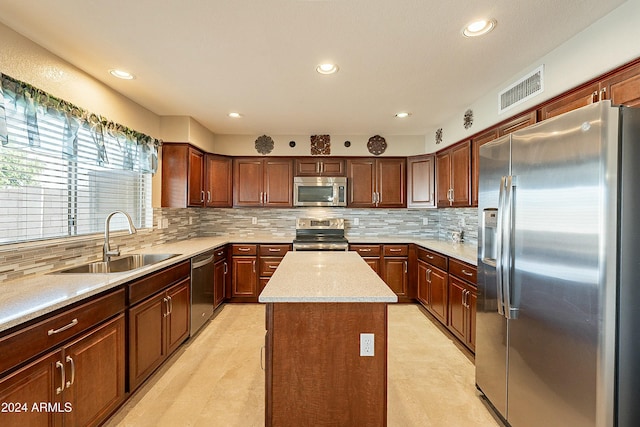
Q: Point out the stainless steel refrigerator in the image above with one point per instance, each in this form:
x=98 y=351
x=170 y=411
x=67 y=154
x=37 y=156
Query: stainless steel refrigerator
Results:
x=558 y=315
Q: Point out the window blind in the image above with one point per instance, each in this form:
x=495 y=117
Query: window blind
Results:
x=61 y=178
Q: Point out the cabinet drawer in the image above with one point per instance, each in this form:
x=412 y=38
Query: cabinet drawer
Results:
x=274 y=250
x=268 y=266
x=244 y=250
x=155 y=282
x=433 y=258
x=463 y=270
x=23 y=344
x=396 y=250
x=220 y=253
x=366 y=250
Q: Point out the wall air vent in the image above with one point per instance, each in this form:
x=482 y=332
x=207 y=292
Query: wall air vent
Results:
x=524 y=89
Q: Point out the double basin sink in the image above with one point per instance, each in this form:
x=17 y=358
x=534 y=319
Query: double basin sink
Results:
x=120 y=264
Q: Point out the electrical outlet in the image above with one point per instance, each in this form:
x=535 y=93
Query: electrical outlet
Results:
x=425 y=221
x=165 y=223
x=160 y=223
x=190 y=220
x=356 y=221
x=254 y=220
x=367 y=346
x=462 y=222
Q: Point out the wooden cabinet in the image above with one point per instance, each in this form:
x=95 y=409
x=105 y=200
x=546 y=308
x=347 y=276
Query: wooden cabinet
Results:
x=79 y=381
x=262 y=182
x=453 y=176
x=432 y=279
x=396 y=268
x=570 y=101
x=421 y=181
x=376 y=182
x=371 y=255
x=462 y=302
x=158 y=319
x=218 y=186
x=623 y=87
x=244 y=270
x=505 y=128
x=270 y=257
x=221 y=276
x=182 y=176
x=325 y=166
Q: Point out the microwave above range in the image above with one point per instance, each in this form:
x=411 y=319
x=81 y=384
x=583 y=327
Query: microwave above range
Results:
x=319 y=191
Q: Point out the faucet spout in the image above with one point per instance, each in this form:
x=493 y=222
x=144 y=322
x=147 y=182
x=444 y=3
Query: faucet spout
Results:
x=107 y=252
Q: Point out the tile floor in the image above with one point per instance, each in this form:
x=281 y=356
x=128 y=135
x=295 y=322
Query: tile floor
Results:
x=216 y=379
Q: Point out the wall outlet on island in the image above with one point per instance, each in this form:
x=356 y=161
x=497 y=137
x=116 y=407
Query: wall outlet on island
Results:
x=356 y=221
x=254 y=220
x=367 y=344
x=425 y=221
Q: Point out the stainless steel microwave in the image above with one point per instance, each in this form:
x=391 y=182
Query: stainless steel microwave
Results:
x=319 y=191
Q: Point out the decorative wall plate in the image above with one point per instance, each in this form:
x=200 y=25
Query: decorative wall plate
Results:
x=376 y=145
x=438 y=135
x=264 y=144
x=292 y=144
x=468 y=119
x=347 y=144
x=320 y=145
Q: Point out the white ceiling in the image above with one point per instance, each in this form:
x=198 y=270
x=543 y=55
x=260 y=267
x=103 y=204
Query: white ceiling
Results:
x=205 y=58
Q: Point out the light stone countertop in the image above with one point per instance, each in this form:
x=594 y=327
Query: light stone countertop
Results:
x=22 y=300
x=310 y=276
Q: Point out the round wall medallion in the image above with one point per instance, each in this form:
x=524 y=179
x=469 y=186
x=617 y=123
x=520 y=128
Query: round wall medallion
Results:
x=468 y=119
x=292 y=144
x=264 y=144
x=438 y=135
x=376 y=145
x=347 y=144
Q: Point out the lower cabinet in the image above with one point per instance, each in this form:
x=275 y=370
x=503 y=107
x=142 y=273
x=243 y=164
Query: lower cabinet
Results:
x=396 y=268
x=433 y=280
x=79 y=384
x=462 y=302
x=157 y=326
x=244 y=270
x=270 y=258
x=221 y=276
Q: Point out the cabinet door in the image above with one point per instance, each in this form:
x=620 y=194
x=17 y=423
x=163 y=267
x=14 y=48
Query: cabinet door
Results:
x=438 y=293
x=219 y=278
x=457 y=310
x=569 y=102
x=95 y=375
x=247 y=182
x=623 y=88
x=244 y=282
x=278 y=183
x=35 y=383
x=395 y=275
x=218 y=181
x=461 y=174
x=332 y=167
x=374 y=263
x=420 y=182
x=195 y=183
x=146 y=338
x=307 y=167
x=179 y=316
x=391 y=177
x=443 y=178
x=471 y=323
x=423 y=284
x=476 y=143
x=361 y=175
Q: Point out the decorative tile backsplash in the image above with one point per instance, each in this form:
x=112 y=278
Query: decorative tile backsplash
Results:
x=25 y=259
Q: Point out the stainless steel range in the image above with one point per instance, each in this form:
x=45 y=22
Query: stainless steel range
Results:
x=314 y=234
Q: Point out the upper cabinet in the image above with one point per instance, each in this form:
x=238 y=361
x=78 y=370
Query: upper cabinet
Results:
x=324 y=166
x=421 y=181
x=191 y=178
x=453 y=176
x=262 y=182
x=570 y=101
x=376 y=182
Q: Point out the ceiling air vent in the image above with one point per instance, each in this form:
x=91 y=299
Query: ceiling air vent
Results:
x=526 y=88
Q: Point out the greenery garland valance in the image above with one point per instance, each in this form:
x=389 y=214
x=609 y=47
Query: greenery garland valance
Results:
x=35 y=100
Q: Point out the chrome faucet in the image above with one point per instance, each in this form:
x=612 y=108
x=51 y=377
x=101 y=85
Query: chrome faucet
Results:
x=107 y=252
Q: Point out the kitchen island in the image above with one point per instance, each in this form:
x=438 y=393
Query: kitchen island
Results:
x=318 y=306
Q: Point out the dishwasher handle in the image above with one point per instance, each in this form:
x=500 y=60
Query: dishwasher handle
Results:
x=196 y=263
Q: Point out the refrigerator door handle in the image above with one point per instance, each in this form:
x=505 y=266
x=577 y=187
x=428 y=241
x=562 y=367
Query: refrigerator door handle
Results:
x=499 y=245
x=511 y=311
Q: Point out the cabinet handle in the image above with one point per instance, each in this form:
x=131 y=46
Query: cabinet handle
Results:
x=273 y=267
x=254 y=265
x=73 y=371
x=603 y=94
x=464 y=298
x=73 y=323
x=220 y=253
x=166 y=303
x=261 y=358
x=364 y=250
x=466 y=273
x=379 y=198
x=62 y=381
x=405 y=266
x=266 y=198
x=244 y=249
x=373 y=197
x=226 y=270
x=274 y=250
x=170 y=305
x=429 y=256
x=394 y=250
x=321 y=167
x=594 y=97
x=317 y=167
x=429 y=275
x=202 y=196
x=208 y=196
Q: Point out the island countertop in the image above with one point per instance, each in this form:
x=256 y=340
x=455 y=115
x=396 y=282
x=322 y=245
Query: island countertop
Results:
x=325 y=276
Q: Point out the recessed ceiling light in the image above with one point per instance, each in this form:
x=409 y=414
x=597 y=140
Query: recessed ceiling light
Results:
x=327 y=68
x=121 y=74
x=403 y=115
x=235 y=115
x=479 y=27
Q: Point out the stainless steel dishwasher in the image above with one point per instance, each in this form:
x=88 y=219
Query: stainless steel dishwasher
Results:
x=202 y=298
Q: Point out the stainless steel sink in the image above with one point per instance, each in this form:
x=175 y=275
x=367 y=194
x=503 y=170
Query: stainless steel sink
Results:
x=120 y=264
